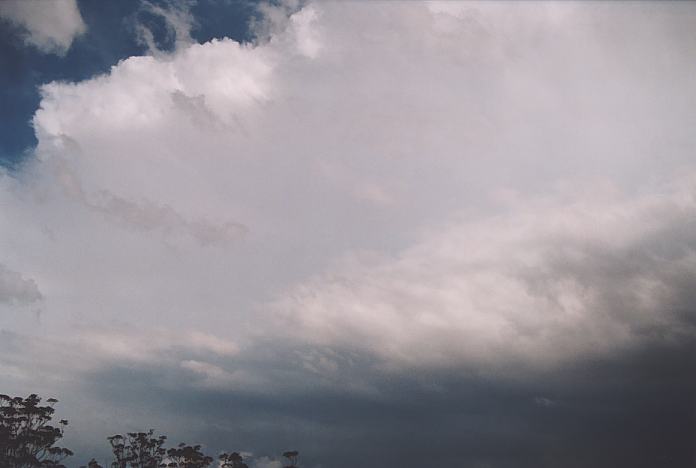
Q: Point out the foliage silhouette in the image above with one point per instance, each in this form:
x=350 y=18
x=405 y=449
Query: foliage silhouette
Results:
x=92 y=464
x=232 y=460
x=137 y=450
x=27 y=440
x=187 y=456
x=292 y=458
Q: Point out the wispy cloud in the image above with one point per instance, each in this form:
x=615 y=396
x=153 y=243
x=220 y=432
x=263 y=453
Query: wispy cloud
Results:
x=51 y=26
x=17 y=289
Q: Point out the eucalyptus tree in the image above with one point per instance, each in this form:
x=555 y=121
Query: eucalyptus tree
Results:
x=187 y=456
x=232 y=460
x=27 y=440
x=92 y=464
x=138 y=450
x=292 y=458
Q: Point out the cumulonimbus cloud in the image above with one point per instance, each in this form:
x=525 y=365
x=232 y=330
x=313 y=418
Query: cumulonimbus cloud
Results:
x=355 y=130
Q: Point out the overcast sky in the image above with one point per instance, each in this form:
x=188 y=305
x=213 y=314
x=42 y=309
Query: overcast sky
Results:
x=381 y=233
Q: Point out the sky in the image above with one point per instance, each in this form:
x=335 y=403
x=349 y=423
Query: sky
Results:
x=414 y=234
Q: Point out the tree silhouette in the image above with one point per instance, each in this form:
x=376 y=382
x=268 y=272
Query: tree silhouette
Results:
x=26 y=437
x=137 y=450
x=232 y=460
x=92 y=464
x=27 y=440
x=187 y=456
x=292 y=458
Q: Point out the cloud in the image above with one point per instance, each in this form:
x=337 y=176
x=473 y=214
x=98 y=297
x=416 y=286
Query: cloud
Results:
x=178 y=22
x=542 y=284
x=265 y=462
x=132 y=345
x=544 y=402
x=212 y=376
x=16 y=289
x=146 y=216
x=51 y=27
x=417 y=215
x=89 y=349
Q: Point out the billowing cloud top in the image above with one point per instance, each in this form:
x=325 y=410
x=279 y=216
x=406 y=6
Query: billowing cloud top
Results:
x=49 y=26
x=370 y=189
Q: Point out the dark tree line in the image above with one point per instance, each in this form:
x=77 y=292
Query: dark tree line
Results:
x=28 y=440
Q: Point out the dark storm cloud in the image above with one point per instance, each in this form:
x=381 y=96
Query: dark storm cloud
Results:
x=634 y=409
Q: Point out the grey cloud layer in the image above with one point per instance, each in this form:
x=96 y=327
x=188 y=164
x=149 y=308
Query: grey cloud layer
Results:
x=539 y=285
x=380 y=217
x=14 y=288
